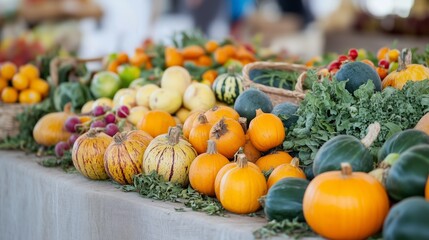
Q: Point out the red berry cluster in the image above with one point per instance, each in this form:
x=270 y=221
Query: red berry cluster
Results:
x=335 y=65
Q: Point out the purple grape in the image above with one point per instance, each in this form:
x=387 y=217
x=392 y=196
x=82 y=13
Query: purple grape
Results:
x=110 y=118
x=71 y=123
x=73 y=139
x=111 y=129
x=60 y=148
x=98 y=124
x=123 y=111
x=98 y=111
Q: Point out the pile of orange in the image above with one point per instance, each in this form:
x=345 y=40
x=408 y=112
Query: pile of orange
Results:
x=22 y=85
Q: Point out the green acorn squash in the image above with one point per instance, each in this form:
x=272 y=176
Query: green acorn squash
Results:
x=284 y=199
x=345 y=148
x=402 y=141
x=408 y=176
x=357 y=74
x=228 y=86
x=408 y=220
x=251 y=100
x=286 y=112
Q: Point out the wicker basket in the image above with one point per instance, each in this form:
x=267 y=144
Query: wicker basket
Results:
x=277 y=95
x=9 y=125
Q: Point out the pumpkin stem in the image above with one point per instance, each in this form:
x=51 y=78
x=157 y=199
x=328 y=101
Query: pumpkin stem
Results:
x=346 y=169
x=219 y=129
x=173 y=135
x=119 y=137
x=404 y=59
x=295 y=162
x=262 y=200
x=239 y=152
x=243 y=123
x=231 y=70
x=94 y=131
x=371 y=136
x=241 y=161
x=214 y=108
x=211 y=147
x=389 y=160
x=67 y=107
x=202 y=119
x=259 y=112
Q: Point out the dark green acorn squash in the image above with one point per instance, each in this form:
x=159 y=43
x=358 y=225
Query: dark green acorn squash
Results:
x=251 y=100
x=402 y=141
x=408 y=220
x=357 y=74
x=284 y=199
x=408 y=176
x=227 y=87
x=286 y=112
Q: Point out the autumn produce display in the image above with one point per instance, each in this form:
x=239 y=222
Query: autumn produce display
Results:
x=174 y=123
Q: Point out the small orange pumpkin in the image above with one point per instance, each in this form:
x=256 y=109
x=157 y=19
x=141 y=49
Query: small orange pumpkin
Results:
x=156 y=122
x=204 y=168
x=200 y=133
x=355 y=199
x=272 y=160
x=286 y=170
x=266 y=131
x=217 y=112
x=241 y=187
x=427 y=189
x=188 y=124
x=405 y=72
x=228 y=135
x=423 y=124
x=249 y=150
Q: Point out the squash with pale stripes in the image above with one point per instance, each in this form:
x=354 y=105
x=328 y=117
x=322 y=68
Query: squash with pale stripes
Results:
x=227 y=87
x=170 y=156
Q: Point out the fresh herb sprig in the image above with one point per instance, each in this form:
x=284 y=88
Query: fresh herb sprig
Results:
x=292 y=229
x=65 y=162
x=153 y=186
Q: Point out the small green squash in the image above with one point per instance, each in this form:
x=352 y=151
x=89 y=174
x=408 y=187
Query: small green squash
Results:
x=408 y=220
x=228 y=86
x=284 y=200
x=408 y=176
x=345 y=148
x=357 y=74
x=286 y=112
x=402 y=141
x=251 y=100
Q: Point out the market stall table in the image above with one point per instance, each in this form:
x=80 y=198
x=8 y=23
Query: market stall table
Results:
x=47 y=203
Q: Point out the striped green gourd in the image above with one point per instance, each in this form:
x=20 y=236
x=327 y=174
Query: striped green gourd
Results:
x=228 y=86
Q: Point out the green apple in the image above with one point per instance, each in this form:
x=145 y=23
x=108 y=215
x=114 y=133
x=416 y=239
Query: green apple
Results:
x=128 y=73
x=105 y=84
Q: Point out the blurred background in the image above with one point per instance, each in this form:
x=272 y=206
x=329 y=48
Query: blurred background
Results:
x=305 y=28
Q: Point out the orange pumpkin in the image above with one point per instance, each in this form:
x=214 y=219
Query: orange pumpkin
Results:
x=216 y=113
x=249 y=150
x=427 y=189
x=241 y=187
x=286 y=170
x=345 y=204
x=204 y=168
x=156 y=122
x=188 y=124
x=405 y=72
x=273 y=160
x=228 y=135
x=200 y=133
x=192 y=52
x=266 y=131
x=423 y=124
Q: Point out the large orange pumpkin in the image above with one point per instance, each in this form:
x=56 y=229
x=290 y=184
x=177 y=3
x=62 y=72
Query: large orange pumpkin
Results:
x=156 y=122
x=204 y=168
x=228 y=135
x=217 y=112
x=266 y=131
x=286 y=170
x=345 y=204
x=405 y=72
x=273 y=160
x=241 y=187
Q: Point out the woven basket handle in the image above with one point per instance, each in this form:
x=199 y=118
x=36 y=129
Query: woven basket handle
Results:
x=56 y=63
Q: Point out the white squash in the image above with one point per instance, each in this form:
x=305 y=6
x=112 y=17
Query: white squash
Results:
x=136 y=114
x=166 y=100
x=87 y=107
x=176 y=78
x=106 y=102
x=183 y=114
x=199 y=96
x=143 y=94
x=123 y=92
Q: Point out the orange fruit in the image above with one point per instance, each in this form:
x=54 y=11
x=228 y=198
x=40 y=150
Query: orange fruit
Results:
x=382 y=72
x=173 y=57
x=30 y=71
x=211 y=46
x=30 y=96
x=122 y=58
x=367 y=61
x=20 y=81
x=191 y=52
x=113 y=66
x=7 y=70
x=138 y=59
x=220 y=56
x=393 y=55
x=210 y=75
x=9 y=95
x=230 y=50
x=382 y=53
x=3 y=83
x=205 y=61
x=40 y=86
